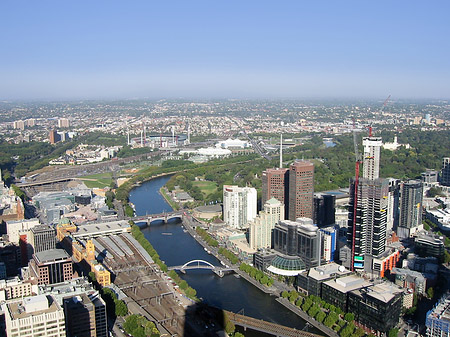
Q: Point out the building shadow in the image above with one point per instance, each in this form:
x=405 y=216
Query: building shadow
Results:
x=204 y=320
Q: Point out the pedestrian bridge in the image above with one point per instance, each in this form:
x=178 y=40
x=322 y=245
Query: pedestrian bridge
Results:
x=201 y=264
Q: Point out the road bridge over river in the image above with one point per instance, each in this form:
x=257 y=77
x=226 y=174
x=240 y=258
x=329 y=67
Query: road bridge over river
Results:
x=166 y=216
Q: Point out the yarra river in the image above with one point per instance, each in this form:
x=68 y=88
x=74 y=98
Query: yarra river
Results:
x=176 y=247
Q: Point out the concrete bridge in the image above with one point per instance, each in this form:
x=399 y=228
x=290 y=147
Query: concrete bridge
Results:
x=201 y=264
x=266 y=327
x=166 y=216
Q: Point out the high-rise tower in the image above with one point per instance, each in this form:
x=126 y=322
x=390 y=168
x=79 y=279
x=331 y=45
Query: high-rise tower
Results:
x=301 y=190
x=371 y=160
x=239 y=205
x=410 y=208
x=371 y=219
x=445 y=172
x=367 y=231
x=275 y=184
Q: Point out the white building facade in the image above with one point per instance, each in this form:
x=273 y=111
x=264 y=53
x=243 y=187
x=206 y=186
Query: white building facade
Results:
x=260 y=229
x=34 y=316
x=239 y=205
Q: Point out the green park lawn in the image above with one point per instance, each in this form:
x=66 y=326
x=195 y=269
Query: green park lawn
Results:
x=206 y=187
x=99 y=180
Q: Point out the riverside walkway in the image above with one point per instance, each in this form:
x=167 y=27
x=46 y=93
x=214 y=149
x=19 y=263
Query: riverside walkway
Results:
x=266 y=327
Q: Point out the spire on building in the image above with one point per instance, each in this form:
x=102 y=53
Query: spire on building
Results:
x=281 y=150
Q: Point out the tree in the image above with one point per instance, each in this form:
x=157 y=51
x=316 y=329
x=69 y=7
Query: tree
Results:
x=228 y=324
x=430 y=292
x=92 y=276
x=393 y=332
x=285 y=294
x=121 y=308
x=320 y=316
x=293 y=297
x=349 y=317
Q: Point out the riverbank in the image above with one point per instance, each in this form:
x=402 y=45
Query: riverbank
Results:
x=320 y=326
x=231 y=293
x=273 y=290
x=163 y=191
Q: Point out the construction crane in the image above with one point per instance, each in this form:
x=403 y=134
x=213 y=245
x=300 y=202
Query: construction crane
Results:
x=384 y=104
x=355 y=197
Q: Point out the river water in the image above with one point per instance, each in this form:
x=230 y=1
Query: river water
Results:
x=176 y=247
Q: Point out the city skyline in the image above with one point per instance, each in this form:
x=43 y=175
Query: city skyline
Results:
x=235 y=50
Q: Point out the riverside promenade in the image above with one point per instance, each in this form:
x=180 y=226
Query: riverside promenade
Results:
x=274 y=290
x=326 y=330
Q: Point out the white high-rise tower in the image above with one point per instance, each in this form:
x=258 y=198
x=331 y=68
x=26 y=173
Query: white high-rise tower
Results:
x=371 y=160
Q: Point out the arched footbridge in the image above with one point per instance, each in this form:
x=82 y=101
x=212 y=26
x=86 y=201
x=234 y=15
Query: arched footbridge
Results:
x=202 y=264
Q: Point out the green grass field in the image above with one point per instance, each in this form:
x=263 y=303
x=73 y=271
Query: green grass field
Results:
x=206 y=187
x=99 y=180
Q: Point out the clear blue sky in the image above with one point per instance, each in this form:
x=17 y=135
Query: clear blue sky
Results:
x=244 y=49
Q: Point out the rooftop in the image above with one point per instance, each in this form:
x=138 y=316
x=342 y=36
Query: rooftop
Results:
x=383 y=292
x=348 y=283
x=97 y=229
x=32 y=306
x=51 y=255
x=442 y=309
x=328 y=270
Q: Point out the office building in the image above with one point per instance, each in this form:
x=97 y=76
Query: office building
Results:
x=299 y=238
x=410 y=279
x=410 y=208
x=440 y=217
x=445 y=172
x=329 y=239
x=53 y=137
x=324 y=209
x=260 y=229
x=51 y=266
x=377 y=307
x=335 y=291
x=438 y=319
x=301 y=190
x=42 y=237
x=15 y=228
x=101 y=323
x=80 y=316
x=310 y=282
x=427 y=245
x=430 y=176
x=79 y=287
x=2 y=271
x=239 y=205
x=379 y=265
x=275 y=184
x=393 y=214
x=39 y=315
x=15 y=288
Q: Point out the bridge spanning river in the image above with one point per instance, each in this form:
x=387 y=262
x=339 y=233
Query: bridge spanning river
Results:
x=266 y=327
x=166 y=216
x=202 y=264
